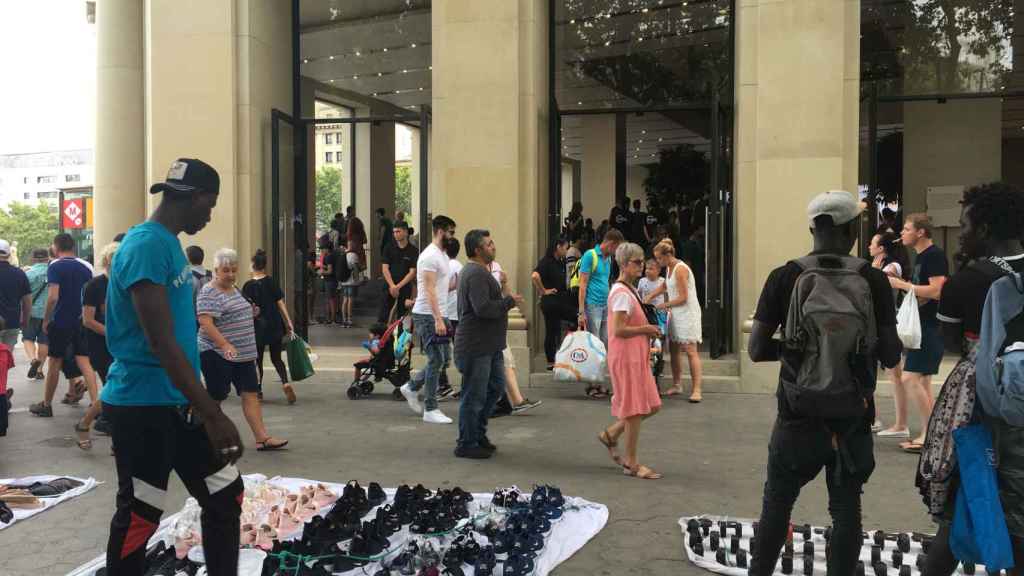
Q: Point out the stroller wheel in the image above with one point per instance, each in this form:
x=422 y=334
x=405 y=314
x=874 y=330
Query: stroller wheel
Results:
x=366 y=388
x=353 y=392
x=396 y=394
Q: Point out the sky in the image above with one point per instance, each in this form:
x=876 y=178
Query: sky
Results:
x=47 y=76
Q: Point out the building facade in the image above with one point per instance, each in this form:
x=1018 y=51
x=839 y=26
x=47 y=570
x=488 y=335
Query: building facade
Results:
x=729 y=114
x=39 y=176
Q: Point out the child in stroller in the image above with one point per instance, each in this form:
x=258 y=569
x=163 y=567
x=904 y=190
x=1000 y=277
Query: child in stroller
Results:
x=390 y=357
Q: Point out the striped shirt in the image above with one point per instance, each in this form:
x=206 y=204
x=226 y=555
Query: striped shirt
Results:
x=232 y=315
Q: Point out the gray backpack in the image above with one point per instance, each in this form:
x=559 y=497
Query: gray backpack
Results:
x=831 y=326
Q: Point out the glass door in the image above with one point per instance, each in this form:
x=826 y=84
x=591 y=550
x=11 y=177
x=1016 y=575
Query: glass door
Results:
x=718 y=230
x=284 y=221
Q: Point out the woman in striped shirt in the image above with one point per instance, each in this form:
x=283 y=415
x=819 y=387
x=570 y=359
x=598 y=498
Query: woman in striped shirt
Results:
x=227 y=345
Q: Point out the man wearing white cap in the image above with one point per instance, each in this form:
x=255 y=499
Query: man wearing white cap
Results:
x=15 y=297
x=838 y=320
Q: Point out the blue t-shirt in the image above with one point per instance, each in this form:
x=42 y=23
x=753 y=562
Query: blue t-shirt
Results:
x=71 y=275
x=151 y=253
x=597 y=287
x=37 y=284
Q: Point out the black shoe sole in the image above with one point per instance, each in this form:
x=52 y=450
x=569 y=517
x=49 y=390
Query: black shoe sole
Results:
x=472 y=455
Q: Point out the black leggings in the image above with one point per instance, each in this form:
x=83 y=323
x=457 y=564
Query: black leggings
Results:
x=941 y=562
x=556 y=308
x=275 y=358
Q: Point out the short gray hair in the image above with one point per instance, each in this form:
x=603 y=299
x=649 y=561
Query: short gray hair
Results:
x=628 y=251
x=225 y=257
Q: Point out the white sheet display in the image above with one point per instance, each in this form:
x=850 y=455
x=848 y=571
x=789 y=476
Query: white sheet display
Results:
x=581 y=521
x=23 y=514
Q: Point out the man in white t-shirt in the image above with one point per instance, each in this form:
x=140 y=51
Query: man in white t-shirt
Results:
x=451 y=312
x=429 y=324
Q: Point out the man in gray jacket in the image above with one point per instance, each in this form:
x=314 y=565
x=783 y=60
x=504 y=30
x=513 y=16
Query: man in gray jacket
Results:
x=479 y=342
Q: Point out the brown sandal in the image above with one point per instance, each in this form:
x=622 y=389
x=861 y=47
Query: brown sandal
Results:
x=84 y=440
x=606 y=439
x=289 y=393
x=640 y=471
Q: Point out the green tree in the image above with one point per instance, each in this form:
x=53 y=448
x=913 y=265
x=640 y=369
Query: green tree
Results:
x=328 y=196
x=403 y=188
x=31 y=226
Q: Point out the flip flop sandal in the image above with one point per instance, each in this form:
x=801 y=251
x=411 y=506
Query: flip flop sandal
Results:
x=642 y=472
x=671 y=392
x=84 y=441
x=268 y=447
x=912 y=447
x=289 y=393
x=696 y=400
x=606 y=440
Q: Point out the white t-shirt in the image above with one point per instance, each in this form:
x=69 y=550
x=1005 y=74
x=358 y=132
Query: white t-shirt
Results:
x=496 y=272
x=431 y=260
x=622 y=301
x=356 y=277
x=647 y=286
x=452 y=310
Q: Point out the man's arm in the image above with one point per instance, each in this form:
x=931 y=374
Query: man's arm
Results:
x=762 y=346
x=52 y=294
x=154 y=312
x=386 y=272
x=408 y=278
x=479 y=295
x=429 y=281
x=26 y=309
x=539 y=285
x=89 y=320
x=923 y=293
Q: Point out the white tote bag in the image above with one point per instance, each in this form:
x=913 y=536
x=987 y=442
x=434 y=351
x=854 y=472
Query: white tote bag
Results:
x=582 y=358
x=908 y=322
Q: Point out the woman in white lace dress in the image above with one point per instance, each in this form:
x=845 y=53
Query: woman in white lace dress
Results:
x=685 y=323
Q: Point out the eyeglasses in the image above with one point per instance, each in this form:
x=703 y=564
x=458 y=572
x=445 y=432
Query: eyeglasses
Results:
x=639 y=262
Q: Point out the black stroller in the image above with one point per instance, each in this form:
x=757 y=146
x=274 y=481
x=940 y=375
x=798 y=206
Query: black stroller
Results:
x=393 y=362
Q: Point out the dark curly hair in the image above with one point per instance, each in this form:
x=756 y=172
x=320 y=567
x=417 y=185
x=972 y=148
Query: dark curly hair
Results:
x=999 y=206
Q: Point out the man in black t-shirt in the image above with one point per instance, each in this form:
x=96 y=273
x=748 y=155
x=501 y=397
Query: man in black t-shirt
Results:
x=15 y=298
x=638 y=226
x=556 y=303
x=803 y=444
x=399 y=271
x=619 y=218
x=929 y=274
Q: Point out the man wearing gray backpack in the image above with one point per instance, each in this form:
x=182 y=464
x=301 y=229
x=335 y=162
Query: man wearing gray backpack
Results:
x=839 y=320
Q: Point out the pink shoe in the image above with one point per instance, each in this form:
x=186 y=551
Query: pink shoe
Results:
x=323 y=496
x=274 y=517
x=288 y=524
x=307 y=508
x=265 y=537
x=248 y=533
x=291 y=503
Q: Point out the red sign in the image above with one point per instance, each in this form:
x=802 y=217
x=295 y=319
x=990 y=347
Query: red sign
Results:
x=73 y=213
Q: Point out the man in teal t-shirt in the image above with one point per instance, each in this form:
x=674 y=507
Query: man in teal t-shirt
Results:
x=595 y=280
x=153 y=395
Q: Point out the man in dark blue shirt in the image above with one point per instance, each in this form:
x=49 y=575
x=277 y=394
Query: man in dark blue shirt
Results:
x=15 y=298
x=62 y=321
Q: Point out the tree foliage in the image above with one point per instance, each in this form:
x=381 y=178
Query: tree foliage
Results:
x=403 y=188
x=328 y=196
x=30 y=226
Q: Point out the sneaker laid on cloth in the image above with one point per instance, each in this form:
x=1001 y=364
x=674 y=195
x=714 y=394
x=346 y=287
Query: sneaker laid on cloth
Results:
x=475 y=453
x=877 y=426
x=436 y=417
x=411 y=398
x=890 y=433
x=42 y=410
x=526 y=405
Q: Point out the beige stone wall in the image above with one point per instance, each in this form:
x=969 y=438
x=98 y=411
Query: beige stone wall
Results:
x=797 y=87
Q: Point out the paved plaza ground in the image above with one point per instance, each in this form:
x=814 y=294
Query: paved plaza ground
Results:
x=712 y=455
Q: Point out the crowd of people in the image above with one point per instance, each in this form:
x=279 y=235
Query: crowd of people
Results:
x=169 y=339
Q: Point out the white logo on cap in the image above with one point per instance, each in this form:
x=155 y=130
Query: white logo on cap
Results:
x=177 y=171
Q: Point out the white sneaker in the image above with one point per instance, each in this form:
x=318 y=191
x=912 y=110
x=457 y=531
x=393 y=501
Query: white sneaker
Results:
x=905 y=433
x=436 y=417
x=877 y=426
x=411 y=398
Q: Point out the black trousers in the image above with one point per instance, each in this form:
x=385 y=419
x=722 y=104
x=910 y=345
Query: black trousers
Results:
x=795 y=457
x=149 y=442
x=404 y=294
x=941 y=561
x=271 y=338
x=557 y=308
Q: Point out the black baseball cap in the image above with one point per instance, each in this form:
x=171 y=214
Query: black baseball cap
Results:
x=188 y=175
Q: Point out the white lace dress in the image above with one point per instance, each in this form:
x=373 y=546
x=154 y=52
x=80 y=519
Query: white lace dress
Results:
x=685 y=322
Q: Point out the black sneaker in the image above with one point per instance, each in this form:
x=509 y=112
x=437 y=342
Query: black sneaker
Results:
x=526 y=405
x=33 y=369
x=102 y=426
x=486 y=444
x=41 y=410
x=475 y=453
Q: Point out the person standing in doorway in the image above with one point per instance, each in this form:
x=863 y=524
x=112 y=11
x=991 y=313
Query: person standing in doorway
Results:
x=399 y=271
x=555 y=302
x=684 y=329
x=929 y=275
x=355 y=238
x=62 y=321
x=349 y=287
x=273 y=323
x=35 y=342
x=161 y=417
x=802 y=442
x=327 y=260
x=384 y=228
x=432 y=273
x=15 y=298
x=479 y=345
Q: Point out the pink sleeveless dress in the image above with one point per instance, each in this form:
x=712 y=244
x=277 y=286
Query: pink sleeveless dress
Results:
x=635 y=393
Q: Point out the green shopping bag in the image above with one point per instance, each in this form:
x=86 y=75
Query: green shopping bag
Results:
x=298 y=359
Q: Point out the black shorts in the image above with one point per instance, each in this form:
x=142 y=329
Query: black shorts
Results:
x=99 y=356
x=221 y=374
x=64 y=339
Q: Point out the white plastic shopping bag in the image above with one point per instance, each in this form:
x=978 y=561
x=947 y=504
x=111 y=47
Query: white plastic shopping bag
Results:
x=908 y=322
x=582 y=358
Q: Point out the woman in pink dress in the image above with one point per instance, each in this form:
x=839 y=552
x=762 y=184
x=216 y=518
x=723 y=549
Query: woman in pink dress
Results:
x=635 y=393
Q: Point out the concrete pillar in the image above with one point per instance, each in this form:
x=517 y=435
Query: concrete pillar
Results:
x=375 y=181
x=490 y=117
x=598 y=166
x=797 y=95
x=120 y=189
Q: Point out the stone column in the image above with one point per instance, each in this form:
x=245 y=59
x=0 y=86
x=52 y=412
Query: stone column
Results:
x=488 y=161
x=598 y=167
x=120 y=189
x=797 y=109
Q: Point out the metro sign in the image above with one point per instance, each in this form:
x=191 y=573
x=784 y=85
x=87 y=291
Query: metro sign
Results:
x=73 y=213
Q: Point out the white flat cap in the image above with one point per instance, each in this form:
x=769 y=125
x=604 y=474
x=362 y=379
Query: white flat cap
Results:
x=839 y=204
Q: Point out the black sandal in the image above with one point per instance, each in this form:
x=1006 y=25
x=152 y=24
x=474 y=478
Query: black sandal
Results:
x=596 y=393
